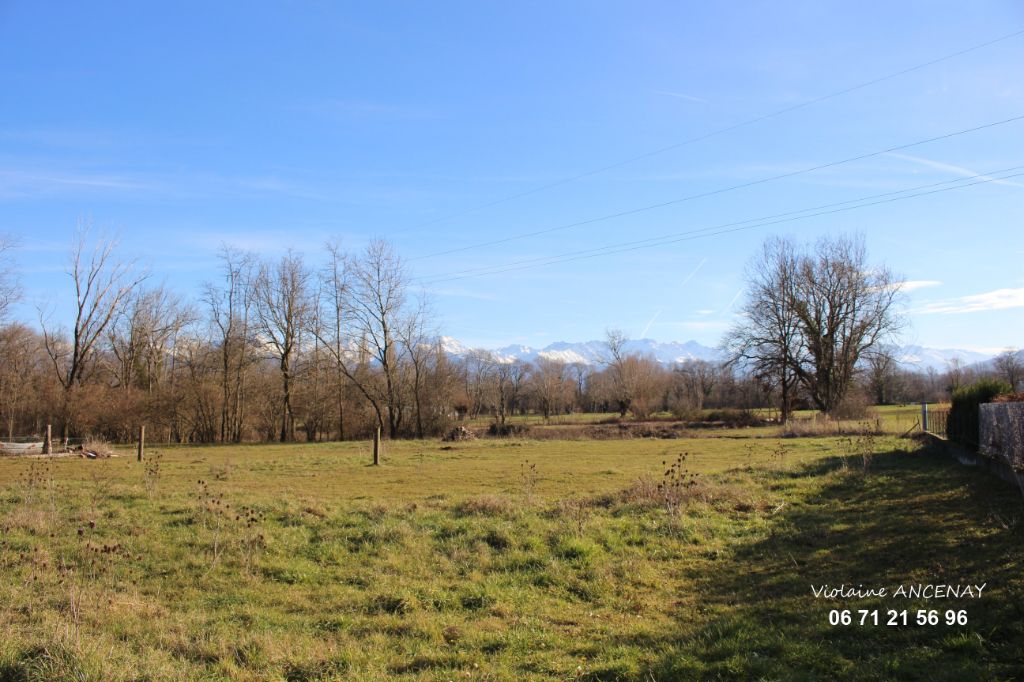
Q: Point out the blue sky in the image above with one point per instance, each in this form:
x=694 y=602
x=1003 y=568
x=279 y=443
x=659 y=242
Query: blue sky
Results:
x=274 y=125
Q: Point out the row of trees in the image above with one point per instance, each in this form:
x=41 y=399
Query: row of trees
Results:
x=278 y=350
x=267 y=340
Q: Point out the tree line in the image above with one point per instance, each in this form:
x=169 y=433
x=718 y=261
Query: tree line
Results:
x=275 y=349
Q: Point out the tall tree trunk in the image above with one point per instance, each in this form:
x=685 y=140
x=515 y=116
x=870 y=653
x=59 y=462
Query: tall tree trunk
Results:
x=286 y=407
x=341 y=406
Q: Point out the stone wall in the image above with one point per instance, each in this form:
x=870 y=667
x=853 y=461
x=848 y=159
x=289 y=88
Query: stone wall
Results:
x=1002 y=433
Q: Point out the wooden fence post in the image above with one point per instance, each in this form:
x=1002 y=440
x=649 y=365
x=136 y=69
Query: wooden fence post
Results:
x=142 y=441
x=376 y=446
x=48 y=443
x=924 y=416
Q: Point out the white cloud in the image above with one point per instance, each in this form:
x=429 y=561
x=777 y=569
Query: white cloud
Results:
x=463 y=293
x=347 y=109
x=18 y=183
x=680 y=95
x=984 y=350
x=701 y=325
x=915 y=284
x=998 y=299
x=950 y=168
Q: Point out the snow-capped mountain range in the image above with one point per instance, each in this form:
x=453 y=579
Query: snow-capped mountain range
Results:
x=673 y=352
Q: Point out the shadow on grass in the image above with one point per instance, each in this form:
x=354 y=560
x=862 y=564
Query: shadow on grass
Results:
x=916 y=518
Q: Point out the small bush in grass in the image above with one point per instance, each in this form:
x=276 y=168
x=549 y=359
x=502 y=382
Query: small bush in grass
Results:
x=97 y=446
x=528 y=477
x=504 y=430
x=485 y=505
x=733 y=418
x=395 y=604
x=575 y=549
x=321 y=669
x=475 y=599
x=56 y=662
x=576 y=513
x=497 y=540
x=151 y=472
x=963 y=424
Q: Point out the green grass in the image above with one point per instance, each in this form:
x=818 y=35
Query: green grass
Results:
x=468 y=563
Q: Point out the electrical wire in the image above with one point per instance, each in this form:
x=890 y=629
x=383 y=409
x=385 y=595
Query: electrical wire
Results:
x=714 y=133
x=720 y=190
x=725 y=228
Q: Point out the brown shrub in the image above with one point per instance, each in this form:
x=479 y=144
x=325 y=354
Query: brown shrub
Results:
x=797 y=428
x=854 y=405
x=733 y=418
x=485 y=505
x=646 y=493
x=100 y=448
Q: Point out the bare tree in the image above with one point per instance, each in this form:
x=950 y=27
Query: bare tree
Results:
x=416 y=344
x=375 y=301
x=230 y=306
x=581 y=374
x=331 y=323
x=635 y=379
x=19 y=352
x=1010 y=365
x=551 y=386
x=9 y=290
x=518 y=374
x=881 y=367
x=845 y=308
x=140 y=338
x=815 y=315
x=615 y=340
x=479 y=373
x=956 y=373
x=698 y=378
x=766 y=341
x=103 y=285
x=282 y=308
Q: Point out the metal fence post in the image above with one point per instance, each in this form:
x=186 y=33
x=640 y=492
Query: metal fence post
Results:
x=924 y=416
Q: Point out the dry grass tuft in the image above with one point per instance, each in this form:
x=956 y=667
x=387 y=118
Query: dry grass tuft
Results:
x=648 y=493
x=811 y=428
x=98 y=447
x=485 y=505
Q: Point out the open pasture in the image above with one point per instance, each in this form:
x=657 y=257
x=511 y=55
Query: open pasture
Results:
x=502 y=560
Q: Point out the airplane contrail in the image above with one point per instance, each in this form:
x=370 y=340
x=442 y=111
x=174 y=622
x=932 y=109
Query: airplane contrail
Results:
x=686 y=279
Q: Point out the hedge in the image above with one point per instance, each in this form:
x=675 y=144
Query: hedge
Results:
x=964 y=424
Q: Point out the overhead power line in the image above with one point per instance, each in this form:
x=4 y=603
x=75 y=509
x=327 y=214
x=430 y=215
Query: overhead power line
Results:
x=721 y=190
x=716 y=132
x=725 y=228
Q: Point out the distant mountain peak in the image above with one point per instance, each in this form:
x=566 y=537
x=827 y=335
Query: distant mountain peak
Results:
x=594 y=352
x=674 y=352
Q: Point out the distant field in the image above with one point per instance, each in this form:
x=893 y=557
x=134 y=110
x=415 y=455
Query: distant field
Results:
x=892 y=418
x=503 y=560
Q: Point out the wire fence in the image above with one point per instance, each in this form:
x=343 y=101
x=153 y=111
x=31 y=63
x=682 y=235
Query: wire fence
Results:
x=34 y=445
x=937 y=422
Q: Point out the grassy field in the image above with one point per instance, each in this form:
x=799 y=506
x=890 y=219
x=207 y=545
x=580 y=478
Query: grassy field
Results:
x=504 y=560
x=891 y=418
